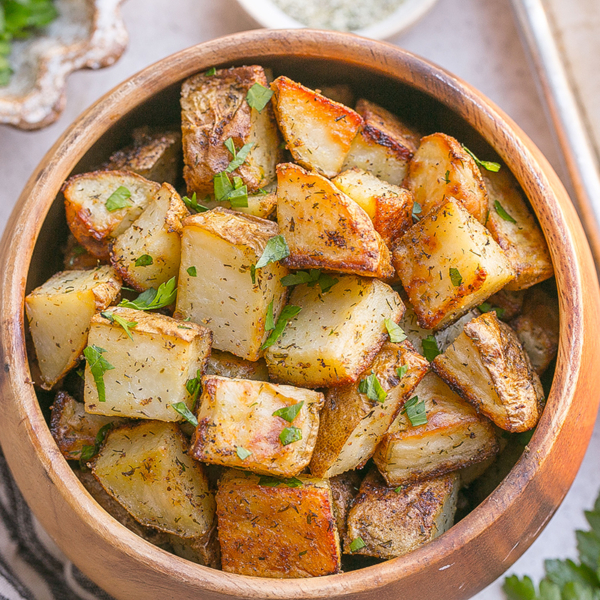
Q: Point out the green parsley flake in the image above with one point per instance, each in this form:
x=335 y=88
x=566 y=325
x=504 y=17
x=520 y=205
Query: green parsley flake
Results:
x=487 y=307
x=145 y=260
x=311 y=278
x=88 y=452
x=502 y=213
x=235 y=193
x=242 y=453
x=372 y=388
x=289 y=312
x=98 y=366
x=399 y=489
x=401 y=371
x=258 y=96
x=357 y=544
x=395 y=332
x=430 y=348
x=447 y=177
x=455 y=277
x=276 y=249
x=270 y=319
x=290 y=435
x=192 y=272
x=489 y=166
x=192 y=204
x=210 y=72
x=126 y=325
x=417 y=210
x=239 y=158
x=193 y=386
x=185 y=412
x=119 y=199
x=414 y=409
x=153 y=299
x=268 y=481
x=289 y=413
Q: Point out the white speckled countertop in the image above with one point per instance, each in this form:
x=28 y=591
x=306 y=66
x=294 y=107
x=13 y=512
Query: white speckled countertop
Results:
x=475 y=39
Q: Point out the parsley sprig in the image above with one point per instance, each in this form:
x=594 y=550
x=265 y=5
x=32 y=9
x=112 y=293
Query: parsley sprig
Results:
x=193 y=204
x=486 y=164
x=126 y=325
x=98 y=366
x=311 y=278
x=415 y=410
x=153 y=299
x=276 y=329
x=372 y=388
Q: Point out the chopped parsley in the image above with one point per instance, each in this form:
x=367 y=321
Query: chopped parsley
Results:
x=357 y=544
x=372 y=388
x=489 y=166
x=98 y=366
x=289 y=312
x=153 y=299
x=502 y=213
x=416 y=211
x=290 y=435
x=235 y=193
x=239 y=157
x=399 y=489
x=126 y=325
x=447 y=177
x=193 y=386
x=401 y=371
x=193 y=204
x=88 y=452
x=276 y=249
x=185 y=412
x=414 y=409
x=485 y=307
x=268 y=481
x=192 y=272
x=455 y=277
x=311 y=278
x=119 y=199
x=430 y=348
x=289 y=413
x=210 y=72
x=395 y=332
x=258 y=96
x=145 y=260
x=242 y=453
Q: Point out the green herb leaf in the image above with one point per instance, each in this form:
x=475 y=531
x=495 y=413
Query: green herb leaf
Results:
x=489 y=166
x=268 y=481
x=88 y=452
x=253 y=274
x=210 y=72
x=487 y=307
x=235 y=193
x=185 y=412
x=395 y=332
x=193 y=205
x=519 y=589
x=399 y=489
x=289 y=312
x=258 y=96
x=276 y=249
x=126 y=325
x=447 y=177
x=549 y=591
x=270 y=319
x=145 y=260
x=222 y=186
x=455 y=277
x=289 y=413
x=312 y=277
x=119 y=199
x=194 y=386
x=502 y=213
x=290 y=435
x=242 y=453
x=191 y=271
x=153 y=299
x=239 y=158
x=357 y=544
x=401 y=371
x=98 y=366
x=417 y=210
x=430 y=348
x=415 y=411
x=372 y=388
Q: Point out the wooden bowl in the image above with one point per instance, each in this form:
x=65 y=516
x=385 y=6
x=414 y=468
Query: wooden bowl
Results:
x=481 y=546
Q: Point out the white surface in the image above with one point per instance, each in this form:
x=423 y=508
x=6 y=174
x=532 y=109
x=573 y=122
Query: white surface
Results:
x=475 y=39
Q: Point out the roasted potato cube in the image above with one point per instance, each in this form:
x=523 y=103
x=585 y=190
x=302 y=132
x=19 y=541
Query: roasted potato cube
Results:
x=150 y=368
x=238 y=425
x=148 y=252
x=455 y=436
x=353 y=423
x=72 y=428
x=89 y=218
x=449 y=263
x=344 y=488
x=273 y=528
x=383 y=146
x=203 y=551
x=507 y=304
x=516 y=231
x=76 y=257
x=226 y=364
x=59 y=314
x=153 y=155
x=115 y=510
x=538 y=328
x=220 y=247
x=214 y=109
x=146 y=468
x=393 y=522
x=317 y=131
x=442 y=169
x=324 y=228
x=336 y=335
x=388 y=206
x=487 y=366
x=409 y=324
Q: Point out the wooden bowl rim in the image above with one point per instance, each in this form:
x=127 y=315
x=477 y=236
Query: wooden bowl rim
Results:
x=536 y=177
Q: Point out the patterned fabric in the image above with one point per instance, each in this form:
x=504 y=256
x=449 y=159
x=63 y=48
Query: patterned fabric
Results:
x=31 y=566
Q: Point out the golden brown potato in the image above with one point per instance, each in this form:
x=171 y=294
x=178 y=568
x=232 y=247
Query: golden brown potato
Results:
x=353 y=423
x=538 y=328
x=214 y=109
x=150 y=368
x=449 y=263
x=226 y=364
x=272 y=528
x=148 y=252
x=336 y=334
x=153 y=155
x=76 y=257
x=317 y=131
x=387 y=522
x=145 y=467
x=94 y=223
x=442 y=169
x=383 y=146
x=326 y=229
x=59 y=313
x=238 y=425
x=487 y=366
x=516 y=231
x=388 y=206
x=344 y=488
x=455 y=436
x=72 y=428
x=216 y=289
